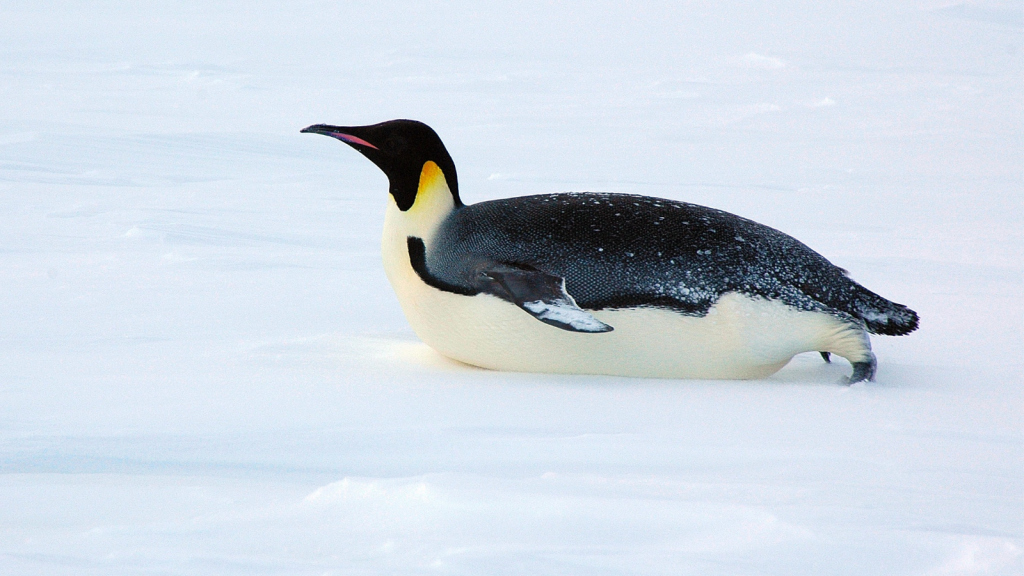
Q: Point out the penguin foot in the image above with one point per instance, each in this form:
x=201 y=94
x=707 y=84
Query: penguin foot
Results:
x=863 y=371
x=826 y=357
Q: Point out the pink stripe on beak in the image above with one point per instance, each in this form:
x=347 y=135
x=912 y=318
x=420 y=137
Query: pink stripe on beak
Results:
x=352 y=139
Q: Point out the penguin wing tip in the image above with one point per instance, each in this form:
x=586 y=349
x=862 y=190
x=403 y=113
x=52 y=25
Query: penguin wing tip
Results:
x=541 y=295
x=565 y=315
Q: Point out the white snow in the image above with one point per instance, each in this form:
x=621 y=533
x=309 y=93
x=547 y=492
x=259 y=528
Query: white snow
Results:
x=765 y=62
x=204 y=371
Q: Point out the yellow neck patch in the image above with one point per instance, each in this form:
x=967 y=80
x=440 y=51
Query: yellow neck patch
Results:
x=433 y=189
x=433 y=203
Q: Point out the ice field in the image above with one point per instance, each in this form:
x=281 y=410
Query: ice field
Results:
x=203 y=369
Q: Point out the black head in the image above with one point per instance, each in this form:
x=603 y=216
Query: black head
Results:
x=400 y=148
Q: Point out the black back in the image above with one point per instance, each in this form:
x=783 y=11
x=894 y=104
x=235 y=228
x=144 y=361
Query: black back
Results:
x=626 y=251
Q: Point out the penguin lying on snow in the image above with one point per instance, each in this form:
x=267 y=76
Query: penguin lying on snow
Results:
x=606 y=283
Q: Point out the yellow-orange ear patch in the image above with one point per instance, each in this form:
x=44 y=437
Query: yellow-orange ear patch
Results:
x=432 y=186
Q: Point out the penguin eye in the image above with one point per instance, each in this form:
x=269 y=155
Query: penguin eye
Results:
x=394 y=145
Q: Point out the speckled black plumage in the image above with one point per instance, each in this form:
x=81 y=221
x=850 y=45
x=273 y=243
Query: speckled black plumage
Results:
x=624 y=251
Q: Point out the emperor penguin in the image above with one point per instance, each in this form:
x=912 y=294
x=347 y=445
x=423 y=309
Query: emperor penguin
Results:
x=601 y=283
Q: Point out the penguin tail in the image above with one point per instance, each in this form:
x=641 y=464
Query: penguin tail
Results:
x=882 y=316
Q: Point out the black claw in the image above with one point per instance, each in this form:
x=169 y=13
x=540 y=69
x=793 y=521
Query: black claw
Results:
x=826 y=357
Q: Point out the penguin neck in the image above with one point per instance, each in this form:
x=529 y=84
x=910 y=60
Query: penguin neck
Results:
x=433 y=203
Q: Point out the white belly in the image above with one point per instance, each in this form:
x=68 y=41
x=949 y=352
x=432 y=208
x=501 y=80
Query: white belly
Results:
x=739 y=338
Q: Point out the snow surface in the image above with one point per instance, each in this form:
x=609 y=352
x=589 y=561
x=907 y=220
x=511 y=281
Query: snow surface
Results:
x=204 y=371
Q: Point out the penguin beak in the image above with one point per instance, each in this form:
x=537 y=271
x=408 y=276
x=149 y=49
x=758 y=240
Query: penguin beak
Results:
x=339 y=132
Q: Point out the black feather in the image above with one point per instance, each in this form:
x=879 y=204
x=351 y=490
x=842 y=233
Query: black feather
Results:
x=626 y=251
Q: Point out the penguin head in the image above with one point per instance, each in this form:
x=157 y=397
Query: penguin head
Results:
x=409 y=153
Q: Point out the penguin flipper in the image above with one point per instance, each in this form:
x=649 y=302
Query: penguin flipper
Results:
x=540 y=295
